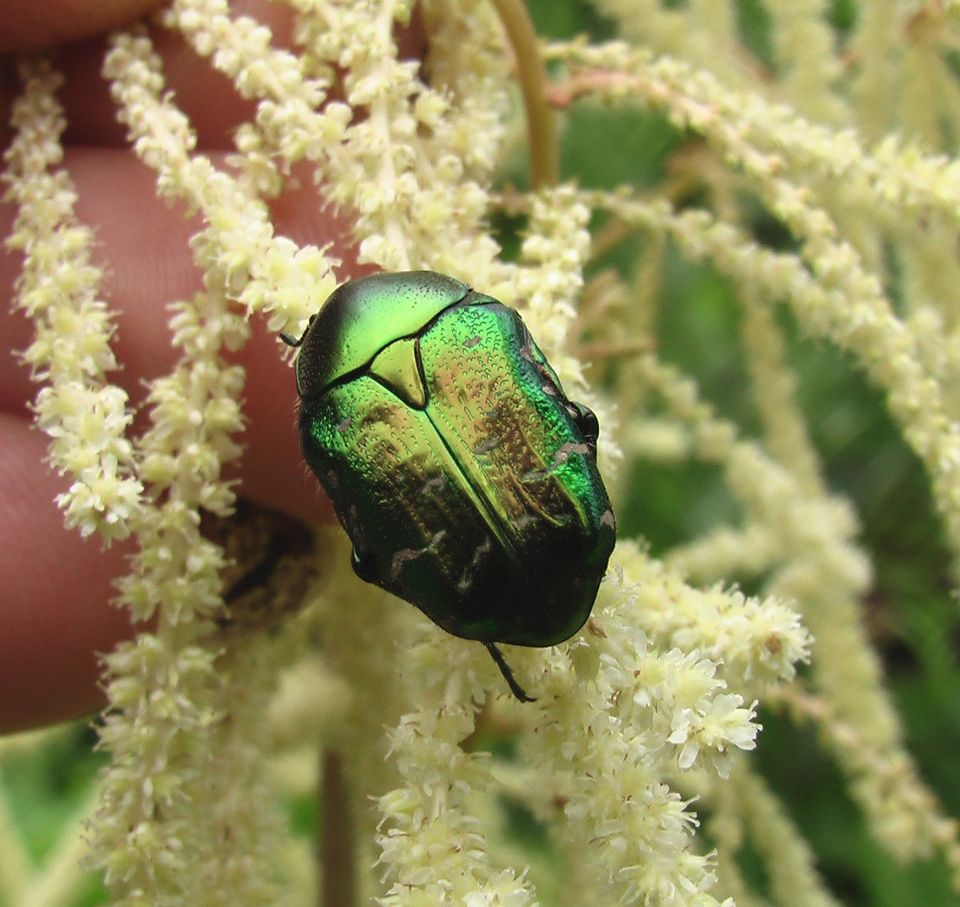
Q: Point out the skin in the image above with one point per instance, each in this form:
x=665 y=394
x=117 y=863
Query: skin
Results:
x=55 y=614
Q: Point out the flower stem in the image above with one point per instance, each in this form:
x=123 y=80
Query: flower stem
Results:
x=337 y=851
x=541 y=129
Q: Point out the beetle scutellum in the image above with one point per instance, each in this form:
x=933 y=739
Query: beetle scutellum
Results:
x=465 y=478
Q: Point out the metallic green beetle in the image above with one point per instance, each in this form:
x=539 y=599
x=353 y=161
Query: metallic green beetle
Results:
x=465 y=478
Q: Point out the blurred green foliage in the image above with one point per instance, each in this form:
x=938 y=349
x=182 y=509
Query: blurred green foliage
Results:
x=48 y=788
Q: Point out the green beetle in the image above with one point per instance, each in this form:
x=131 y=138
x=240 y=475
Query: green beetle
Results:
x=465 y=478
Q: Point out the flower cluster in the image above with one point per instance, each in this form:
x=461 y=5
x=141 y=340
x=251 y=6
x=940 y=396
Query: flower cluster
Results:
x=86 y=417
x=645 y=721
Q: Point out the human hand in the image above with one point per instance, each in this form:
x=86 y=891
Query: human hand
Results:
x=54 y=611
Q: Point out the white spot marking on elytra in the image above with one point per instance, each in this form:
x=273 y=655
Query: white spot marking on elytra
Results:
x=521 y=522
x=437 y=483
x=411 y=554
x=565 y=450
x=479 y=554
x=487 y=445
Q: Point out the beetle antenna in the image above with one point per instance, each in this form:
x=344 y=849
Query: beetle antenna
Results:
x=501 y=663
x=296 y=342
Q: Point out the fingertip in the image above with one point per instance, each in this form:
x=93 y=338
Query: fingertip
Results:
x=56 y=611
x=45 y=23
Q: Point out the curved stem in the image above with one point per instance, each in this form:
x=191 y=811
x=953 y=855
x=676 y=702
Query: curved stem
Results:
x=338 y=859
x=541 y=129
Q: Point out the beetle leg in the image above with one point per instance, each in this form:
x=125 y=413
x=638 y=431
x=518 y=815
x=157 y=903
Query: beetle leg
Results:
x=501 y=663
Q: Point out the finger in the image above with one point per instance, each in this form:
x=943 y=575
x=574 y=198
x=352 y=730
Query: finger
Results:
x=143 y=247
x=43 y=23
x=54 y=612
x=57 y=579
x=204 y=94
x=207 y=96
